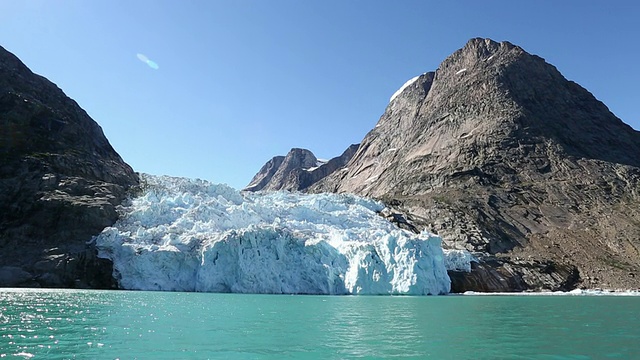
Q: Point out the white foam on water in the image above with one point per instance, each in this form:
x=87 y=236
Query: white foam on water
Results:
x=575 y=292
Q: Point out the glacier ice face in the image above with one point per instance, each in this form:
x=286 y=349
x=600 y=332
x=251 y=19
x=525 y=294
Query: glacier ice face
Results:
x=191 y=235
x=458 y=260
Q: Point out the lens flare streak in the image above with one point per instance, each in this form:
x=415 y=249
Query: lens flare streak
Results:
x=152 y=64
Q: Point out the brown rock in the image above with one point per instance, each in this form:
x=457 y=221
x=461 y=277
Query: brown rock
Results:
x=501 y=155
x=297 y=171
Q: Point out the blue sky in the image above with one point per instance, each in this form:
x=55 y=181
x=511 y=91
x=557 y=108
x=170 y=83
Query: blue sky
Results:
x=241 y=81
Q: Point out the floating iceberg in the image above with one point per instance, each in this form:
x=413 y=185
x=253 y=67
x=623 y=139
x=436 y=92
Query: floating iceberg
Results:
x=191 y=235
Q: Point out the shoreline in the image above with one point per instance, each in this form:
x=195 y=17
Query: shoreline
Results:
x=575 y=292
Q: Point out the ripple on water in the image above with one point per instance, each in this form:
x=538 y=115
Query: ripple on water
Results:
x=59 y=324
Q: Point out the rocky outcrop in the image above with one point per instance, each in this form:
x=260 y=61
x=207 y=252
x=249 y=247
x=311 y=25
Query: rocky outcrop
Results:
x=512 y=275
x=298 y=170
x=284 y=172
x=337 y=163
x=266 y=173
x=60 y=181
x=501 y=155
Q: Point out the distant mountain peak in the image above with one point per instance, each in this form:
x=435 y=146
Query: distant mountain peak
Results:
x=501 y=155
x=298 y=170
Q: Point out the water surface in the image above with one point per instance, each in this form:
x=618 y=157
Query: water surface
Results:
x=62 y=324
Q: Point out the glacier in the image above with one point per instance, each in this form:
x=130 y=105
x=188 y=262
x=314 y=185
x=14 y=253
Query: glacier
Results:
x=192 y=235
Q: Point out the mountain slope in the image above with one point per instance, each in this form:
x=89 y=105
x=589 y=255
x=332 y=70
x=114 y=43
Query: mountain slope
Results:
x=298 y=170
x=501 y=155
x=60 y=181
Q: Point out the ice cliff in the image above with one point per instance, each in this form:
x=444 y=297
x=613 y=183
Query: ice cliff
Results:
x=192 y=235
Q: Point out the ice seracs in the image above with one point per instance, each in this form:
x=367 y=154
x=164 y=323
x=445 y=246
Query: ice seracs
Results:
x=191 y=235
x=458 y=260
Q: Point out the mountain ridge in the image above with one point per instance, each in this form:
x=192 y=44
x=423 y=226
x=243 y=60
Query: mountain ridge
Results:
x=501 y=155
x=296 y=171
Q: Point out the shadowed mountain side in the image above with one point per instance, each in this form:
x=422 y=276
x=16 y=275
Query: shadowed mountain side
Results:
x=266 y=173
x=60 y=181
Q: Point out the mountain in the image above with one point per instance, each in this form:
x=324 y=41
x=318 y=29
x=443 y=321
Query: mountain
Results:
x=297 y=170
x=60 y=181
x=501 y=155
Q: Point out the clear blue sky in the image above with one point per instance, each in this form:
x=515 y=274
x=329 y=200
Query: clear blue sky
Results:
x=241 y=81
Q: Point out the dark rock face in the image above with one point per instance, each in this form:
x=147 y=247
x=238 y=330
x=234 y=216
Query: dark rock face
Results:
x=283 y=172
x=499 y=275
x=60 y=181
x=297 y=171
x=501 y=155
x=266 y=173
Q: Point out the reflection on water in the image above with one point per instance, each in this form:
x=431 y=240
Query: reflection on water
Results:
x=359 y=322
x=60 y=324
x=52 y=323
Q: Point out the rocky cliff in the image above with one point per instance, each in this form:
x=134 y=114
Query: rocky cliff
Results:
x=298 y=170
x=501 y=155
x=60 y=181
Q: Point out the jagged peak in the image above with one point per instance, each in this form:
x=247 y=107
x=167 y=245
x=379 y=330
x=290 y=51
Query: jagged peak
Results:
x=487 y=44
x=300 y=157
x=300 y=151
x=475 y=51
x=481 y=48
x=298 y=170
x=479 y=53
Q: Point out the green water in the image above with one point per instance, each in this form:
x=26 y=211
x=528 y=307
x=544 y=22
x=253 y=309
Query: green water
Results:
x=61 y=324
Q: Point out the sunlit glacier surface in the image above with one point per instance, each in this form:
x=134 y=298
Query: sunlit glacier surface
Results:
x=192 y=235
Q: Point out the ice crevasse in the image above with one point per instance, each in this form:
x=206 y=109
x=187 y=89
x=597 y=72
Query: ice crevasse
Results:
x=191 y=235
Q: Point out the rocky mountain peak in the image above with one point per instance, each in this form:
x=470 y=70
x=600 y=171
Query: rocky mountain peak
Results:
x=500 y=154
x=262 y=178
x=482 y=100
x=280 y=172
x=300 y=158
x=480 y=49
x=298 y=170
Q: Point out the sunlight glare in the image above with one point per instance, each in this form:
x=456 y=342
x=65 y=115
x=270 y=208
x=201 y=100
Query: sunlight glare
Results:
x=145 y=59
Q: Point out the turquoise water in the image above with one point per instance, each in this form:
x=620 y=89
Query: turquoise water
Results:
x=62 y=324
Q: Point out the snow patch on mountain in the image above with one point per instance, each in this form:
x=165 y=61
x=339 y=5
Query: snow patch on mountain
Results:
x=319 y=163
x=404 y=86
x=191 y=235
